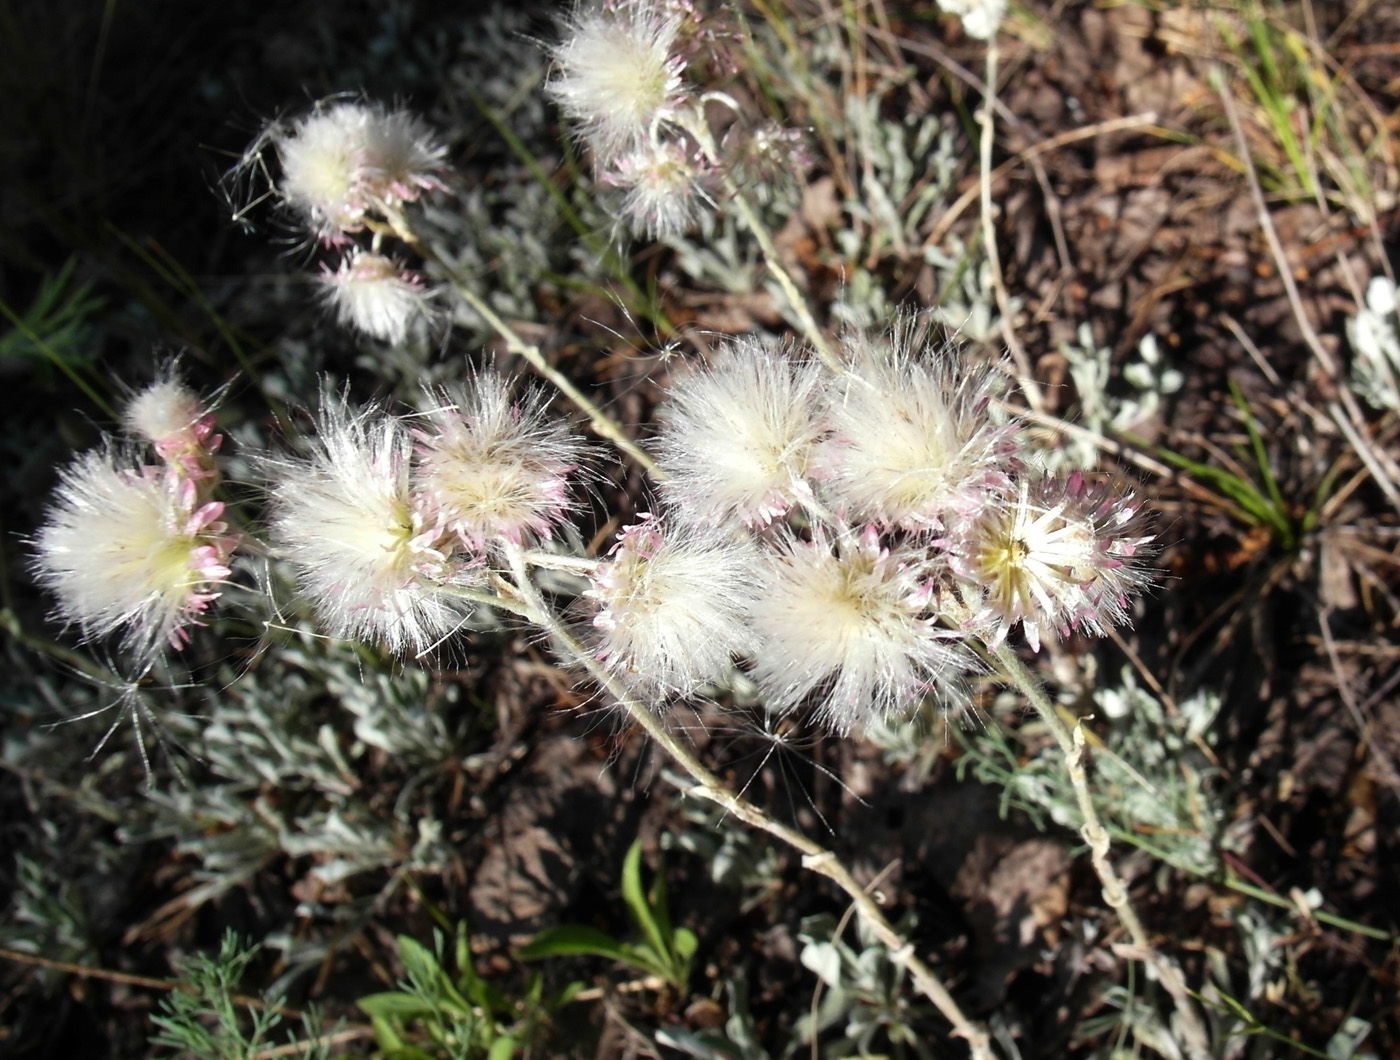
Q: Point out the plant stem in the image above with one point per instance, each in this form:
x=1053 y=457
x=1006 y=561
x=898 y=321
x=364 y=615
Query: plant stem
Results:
x=602 y=424
x=1115 y=892
x=989 y=239
x=774 y=261
x=707 y=785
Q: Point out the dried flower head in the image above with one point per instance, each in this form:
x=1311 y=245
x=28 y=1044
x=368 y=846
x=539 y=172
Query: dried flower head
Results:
x=849 y=624
x=493 y=466
x=375 y=294
x=177 y=424
x=671 y=606
x=912 y=442
x=132 y=548
x=739 y=436
x=1054 y=556
x=347 y=520
x=615 y=73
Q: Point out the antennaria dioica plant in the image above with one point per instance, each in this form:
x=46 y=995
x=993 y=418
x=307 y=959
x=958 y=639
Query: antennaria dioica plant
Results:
x=850 y=519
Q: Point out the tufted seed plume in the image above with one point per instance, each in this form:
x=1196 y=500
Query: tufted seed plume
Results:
x=401 y=157
x=346 y=519
x=665 y=187
x=374 y=294
x=851 y=626
x=492 y=466
x=177 y=424
x=346 y=160
x=912 y=444
x=1054 y=556
x=132 y=549
x=738 y=437
x=671 y=606
x=615 y=73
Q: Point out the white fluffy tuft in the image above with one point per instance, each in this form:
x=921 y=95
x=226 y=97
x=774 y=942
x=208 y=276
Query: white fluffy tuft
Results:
x=912 y=444
x=346 y=520
x=345 y=160
x=492 y=466
x=847 y=624
x=375 y=295
x=671 y=606
x=738 y=437
x=615 y=75
x=134 y=547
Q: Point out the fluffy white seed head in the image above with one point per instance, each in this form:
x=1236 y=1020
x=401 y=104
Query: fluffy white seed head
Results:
x=739 y=436
x=848 y=625
x=322 y=170
x=665 y=188
x=671 y=607
x=375 y=295
x=615 y=74
x=494 y=466
x=345 y=160
x=912 y=444
x=177 y=424
x=401 y=156
x=1054 y=556
x=132 y=549
x=346 y=519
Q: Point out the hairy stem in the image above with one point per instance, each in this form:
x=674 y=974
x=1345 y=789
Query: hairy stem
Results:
x=707 y=785
x=1115 y=892
x=774 y=261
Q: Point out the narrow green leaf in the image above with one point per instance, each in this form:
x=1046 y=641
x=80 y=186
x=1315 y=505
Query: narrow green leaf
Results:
x=393 y=1004
x=635 y=897
x=385 y=1034
x=572 y=940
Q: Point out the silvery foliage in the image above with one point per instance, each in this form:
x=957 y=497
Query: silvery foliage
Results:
x=1237 y=1001
x=904 y=165
x=1374 y=333
x=60 y=861
x=967 y=301
x=270 y=733
x=1150 y=773
x=720 y=255
x=1103 y=412
x=864 y=992
x=737 y=859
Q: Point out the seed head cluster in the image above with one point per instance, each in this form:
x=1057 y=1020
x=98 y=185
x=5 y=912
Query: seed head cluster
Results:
x=347 y=170
x=627 y=75
x=844 y=537
x=887 y=518
x=386 y=519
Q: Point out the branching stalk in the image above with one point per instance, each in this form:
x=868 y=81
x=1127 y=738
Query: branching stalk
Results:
x=707 y=785
x=1115 y=892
